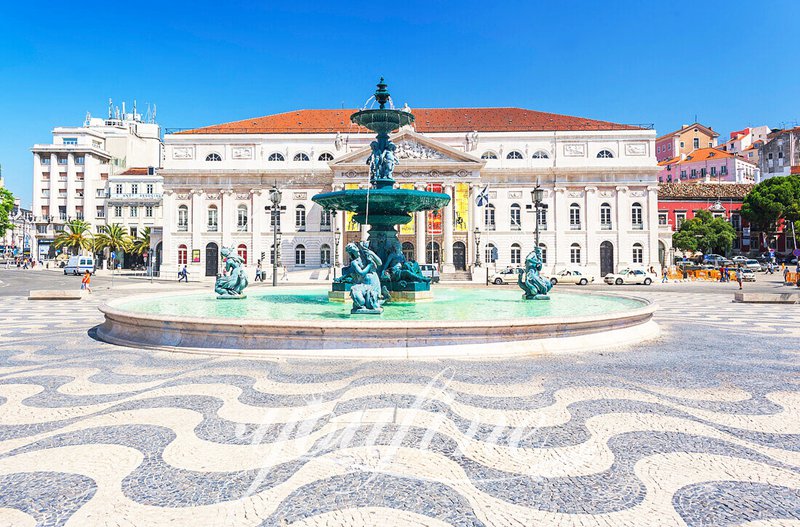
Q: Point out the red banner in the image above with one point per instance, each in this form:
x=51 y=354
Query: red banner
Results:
x=434 y=217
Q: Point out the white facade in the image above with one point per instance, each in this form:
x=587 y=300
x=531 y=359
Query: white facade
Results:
x=71 y=174
x=585 y=174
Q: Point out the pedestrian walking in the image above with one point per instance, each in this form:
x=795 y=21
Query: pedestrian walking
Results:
x=183 y=275
x=86 y=281
x=664 y=275
x=739 y=275
x=259 y=272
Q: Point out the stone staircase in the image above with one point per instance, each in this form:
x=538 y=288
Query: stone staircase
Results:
x=464 y=276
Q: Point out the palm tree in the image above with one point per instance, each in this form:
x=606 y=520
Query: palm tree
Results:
x=77 y=235
x=141 y=244
x=114 y=238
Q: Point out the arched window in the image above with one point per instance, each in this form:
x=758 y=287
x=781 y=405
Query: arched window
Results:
x=575 y=217
x=325 y=254
x=276 y=156
x=636 y=216
x=514 y=155
x=325 y=156
x=241 y=218
x=301 y=157
x=489 y=155
x=488 y=217
x=575 y=253
x=543 y=247
x=605 y=217
x=638 y=253
x=183 y=218
x=490 y=253
x=433 y=252
x=300 y=255
x=325 y=220
x=213 y=157
x=241 y=251
x=541 y=154
x=213 y=218
x=516 y=254
x=300 y=218
x=183 y=255
x=408 y=251
x=516 y=217
x=605 y=154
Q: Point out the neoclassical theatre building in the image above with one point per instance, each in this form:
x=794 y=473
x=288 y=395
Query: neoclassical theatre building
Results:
x=599 y=180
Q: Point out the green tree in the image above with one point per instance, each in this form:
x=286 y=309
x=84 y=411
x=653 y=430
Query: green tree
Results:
x=76 y=235
x=772 y=202
x=704 y=233
x=141 y=244
x=6 y=207
x=114 y=237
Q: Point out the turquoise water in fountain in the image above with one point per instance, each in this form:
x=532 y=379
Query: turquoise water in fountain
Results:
x=449 y=303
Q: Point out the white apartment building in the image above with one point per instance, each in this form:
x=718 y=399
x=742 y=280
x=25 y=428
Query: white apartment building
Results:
x=71 y=174
x=134 y=201
x=599 y=181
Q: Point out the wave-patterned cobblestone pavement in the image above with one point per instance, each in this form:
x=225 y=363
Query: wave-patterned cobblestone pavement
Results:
x=700 y=427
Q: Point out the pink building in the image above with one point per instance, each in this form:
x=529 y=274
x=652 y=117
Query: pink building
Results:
x=708 y=165
x=682 y=142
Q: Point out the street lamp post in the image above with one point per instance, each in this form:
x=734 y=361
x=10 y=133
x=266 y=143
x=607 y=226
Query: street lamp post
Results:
x=275 y=197
x=536 y=195
x=336 y=237
x=477 y=247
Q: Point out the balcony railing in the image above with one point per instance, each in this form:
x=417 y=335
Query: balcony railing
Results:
x=182 y=228
x=638 y=226
x=574 y=226
x=605 y=227
x=516 y=227
x=211 y=228
x=491 y=227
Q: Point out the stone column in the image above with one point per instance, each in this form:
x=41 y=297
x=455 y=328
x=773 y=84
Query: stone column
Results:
x=622 y=251
x=561 y=229
x=447 y=229
x=651 y=227
x=420 y=224
x=257 y=225
x=591 y=226
x=228 y=218
x=472 y=222
x=168 y=257
x=196 y=226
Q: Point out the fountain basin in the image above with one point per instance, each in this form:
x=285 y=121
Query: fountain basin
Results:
x=394 y=204
x=300 y=322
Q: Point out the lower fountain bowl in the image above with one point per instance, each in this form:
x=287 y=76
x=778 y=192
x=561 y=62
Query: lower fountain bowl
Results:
x=444 y=328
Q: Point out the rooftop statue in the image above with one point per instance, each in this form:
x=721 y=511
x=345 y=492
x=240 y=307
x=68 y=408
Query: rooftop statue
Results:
x=232 y=282
x=363 y=274
x=531 y=281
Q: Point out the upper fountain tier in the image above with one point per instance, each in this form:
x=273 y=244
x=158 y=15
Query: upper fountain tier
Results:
x=382 y=120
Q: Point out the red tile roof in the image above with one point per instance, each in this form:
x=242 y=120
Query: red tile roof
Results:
x=704 y=190
x=135 y=171
x=702 y=154
x=427 y=120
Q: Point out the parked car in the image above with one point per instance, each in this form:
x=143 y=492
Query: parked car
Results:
x=711 y=257
x=505 y=276
x=571 y=277
x=752 y=265
x=79 y=265
x=720 y=261
x=748 y=275
x=430 y=271
x=629 y=276
x=739 y=258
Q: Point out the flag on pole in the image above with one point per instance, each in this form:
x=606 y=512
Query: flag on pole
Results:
x=483 y=197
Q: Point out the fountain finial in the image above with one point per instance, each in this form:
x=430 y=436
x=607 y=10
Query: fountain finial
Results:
x=382 y=94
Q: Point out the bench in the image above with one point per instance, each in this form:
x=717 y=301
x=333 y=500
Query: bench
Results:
x=57 y=294
x=767 y=298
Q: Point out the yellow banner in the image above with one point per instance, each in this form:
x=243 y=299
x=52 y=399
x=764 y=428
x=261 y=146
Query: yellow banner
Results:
x=408 y=228
x=461 y=207
x=350 y=224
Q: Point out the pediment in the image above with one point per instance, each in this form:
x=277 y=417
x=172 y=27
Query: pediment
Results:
x=415 y=149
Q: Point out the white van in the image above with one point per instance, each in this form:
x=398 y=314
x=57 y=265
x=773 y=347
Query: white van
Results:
x=79 y=265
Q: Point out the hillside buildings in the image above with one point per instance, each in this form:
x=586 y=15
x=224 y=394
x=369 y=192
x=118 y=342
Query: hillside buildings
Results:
x=780 y=156
x=681 y=142
x=708 y=165
x=71 y=174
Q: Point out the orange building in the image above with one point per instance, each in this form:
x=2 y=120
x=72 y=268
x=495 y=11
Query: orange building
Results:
x=683 y=141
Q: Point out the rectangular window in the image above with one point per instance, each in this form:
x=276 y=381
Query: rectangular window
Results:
x=149 y=188
x=736 y=222
x=575 y=255
x=683 y=174
x=662 y=218
x=682 y=144
x=80 y=160
x=117 y=211
x=693 y=174
x=723 y=170
x=680 y=217
x=575 y=218
x=134 y=232
x=118 y=188
x=134 y=188
x=148 y=211
x=325 y=221
x=45 y=160
x=62 y=212
x=212 y=219
x=45 y=192
x=713 y=171
x=134 y=211
x=516 y=219
x=41 y=229
x=101 y=212
x=696 y=143
x=70 y=141
x=488 y=218
x=605 y=218
x=542 y=219
x=62 y=160
x=702 y=172
x=79 y=176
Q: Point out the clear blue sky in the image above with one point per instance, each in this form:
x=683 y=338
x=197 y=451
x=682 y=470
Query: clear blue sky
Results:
x=731 y=63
